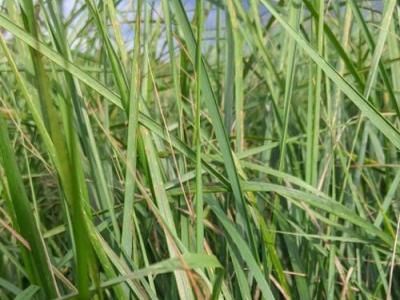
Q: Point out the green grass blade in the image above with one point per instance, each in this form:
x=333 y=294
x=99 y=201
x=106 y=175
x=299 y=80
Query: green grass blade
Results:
x=368 y=109
x=210 y=102
x=36 y=260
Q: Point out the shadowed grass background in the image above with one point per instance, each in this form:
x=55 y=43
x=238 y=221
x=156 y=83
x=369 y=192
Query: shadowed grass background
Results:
x=208 y=149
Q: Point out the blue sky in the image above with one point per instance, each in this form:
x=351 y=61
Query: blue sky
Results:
x=189 y=4
x=127 y=28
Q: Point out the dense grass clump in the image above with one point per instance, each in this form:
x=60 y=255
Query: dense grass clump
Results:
x=203 y=149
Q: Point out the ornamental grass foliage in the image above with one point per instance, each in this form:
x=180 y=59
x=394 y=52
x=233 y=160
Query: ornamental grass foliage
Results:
x=199 y=149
